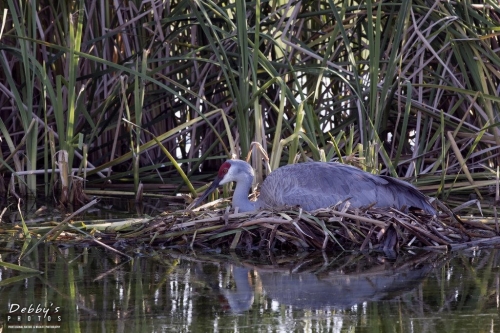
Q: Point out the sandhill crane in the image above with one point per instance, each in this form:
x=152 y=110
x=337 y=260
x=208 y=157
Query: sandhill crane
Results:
x=314 y=185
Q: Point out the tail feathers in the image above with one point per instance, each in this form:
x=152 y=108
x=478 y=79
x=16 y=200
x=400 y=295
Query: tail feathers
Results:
x=409 y=196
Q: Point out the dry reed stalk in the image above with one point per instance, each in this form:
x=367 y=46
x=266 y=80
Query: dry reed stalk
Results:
x=325 y=229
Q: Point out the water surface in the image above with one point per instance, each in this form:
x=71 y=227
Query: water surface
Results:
x=94 y=290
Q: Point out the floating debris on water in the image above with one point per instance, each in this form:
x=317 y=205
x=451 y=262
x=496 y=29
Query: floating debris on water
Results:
x=323 y=229
x=292 y=230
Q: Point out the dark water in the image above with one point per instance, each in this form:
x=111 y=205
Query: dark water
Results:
x=93 y=290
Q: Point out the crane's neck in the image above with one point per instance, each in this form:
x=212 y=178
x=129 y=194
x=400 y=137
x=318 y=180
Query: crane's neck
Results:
x=240 y=196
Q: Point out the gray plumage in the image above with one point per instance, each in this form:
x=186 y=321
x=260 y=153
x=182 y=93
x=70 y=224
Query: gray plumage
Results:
x=314 y=185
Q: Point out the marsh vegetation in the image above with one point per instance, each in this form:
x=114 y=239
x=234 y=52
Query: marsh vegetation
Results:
x=135 y=98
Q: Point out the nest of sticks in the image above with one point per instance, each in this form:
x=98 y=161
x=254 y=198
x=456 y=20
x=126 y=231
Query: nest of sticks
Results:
x=323 y=229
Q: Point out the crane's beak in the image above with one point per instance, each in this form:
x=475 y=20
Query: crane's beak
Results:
x=205 y=194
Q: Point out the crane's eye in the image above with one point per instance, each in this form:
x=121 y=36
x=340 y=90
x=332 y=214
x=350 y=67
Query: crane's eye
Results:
x=225 y=170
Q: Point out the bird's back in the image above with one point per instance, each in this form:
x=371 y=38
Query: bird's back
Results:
x=314 y=185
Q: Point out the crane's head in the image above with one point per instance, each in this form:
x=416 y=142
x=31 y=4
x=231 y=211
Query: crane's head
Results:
x=229 y=171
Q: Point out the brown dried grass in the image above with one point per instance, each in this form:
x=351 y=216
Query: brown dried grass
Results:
x=323 y=229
